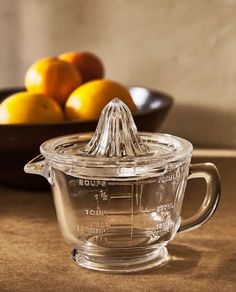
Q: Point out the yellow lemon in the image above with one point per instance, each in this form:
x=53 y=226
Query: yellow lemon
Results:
x=88 y=100
x=25 y=107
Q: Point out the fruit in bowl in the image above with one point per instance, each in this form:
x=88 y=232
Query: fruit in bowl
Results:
x=25 y=107
x=89 y=65
x=88 y=100
x=68 y=80
x=52 y=77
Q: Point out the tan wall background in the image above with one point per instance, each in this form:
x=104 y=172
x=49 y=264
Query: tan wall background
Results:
x=184 y=47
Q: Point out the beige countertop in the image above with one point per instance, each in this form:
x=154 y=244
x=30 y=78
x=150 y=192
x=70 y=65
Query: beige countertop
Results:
x=34 y=257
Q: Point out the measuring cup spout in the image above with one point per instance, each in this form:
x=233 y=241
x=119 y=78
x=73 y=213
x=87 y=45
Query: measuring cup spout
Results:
x=38 y=166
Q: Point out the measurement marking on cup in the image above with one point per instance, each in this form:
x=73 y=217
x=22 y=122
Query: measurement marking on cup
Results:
x=118 y=183
x=133 y=183
x=95 y=212
x=120 y=197
x=118 y=213
x=102 y=195
x=121 y=225
x=92 y=230
x=121 y=204
x=132 y=211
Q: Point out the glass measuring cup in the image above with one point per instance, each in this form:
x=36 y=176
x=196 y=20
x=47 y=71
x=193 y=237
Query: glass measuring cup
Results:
x=118 y=194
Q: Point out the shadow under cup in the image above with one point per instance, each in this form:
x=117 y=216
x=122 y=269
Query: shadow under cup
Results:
x=119 y=218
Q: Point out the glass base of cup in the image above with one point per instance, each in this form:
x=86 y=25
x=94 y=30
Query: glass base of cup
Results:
x=122 y=262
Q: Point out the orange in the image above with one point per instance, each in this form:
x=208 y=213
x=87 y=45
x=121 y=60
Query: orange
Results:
x=24 y=107
x=88 y=64
x=87 y=102
x=52 y=77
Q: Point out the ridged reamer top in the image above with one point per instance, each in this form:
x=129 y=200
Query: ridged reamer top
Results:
x=116 y=134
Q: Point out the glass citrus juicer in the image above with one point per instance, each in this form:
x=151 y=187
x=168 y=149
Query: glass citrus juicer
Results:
x=118 y=193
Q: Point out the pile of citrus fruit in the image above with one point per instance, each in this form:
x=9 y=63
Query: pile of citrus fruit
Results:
x=67 y=87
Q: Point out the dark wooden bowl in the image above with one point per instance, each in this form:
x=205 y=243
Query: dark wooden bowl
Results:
x=20 y=142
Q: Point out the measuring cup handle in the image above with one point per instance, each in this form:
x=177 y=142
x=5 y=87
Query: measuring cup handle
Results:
x=209 y=172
